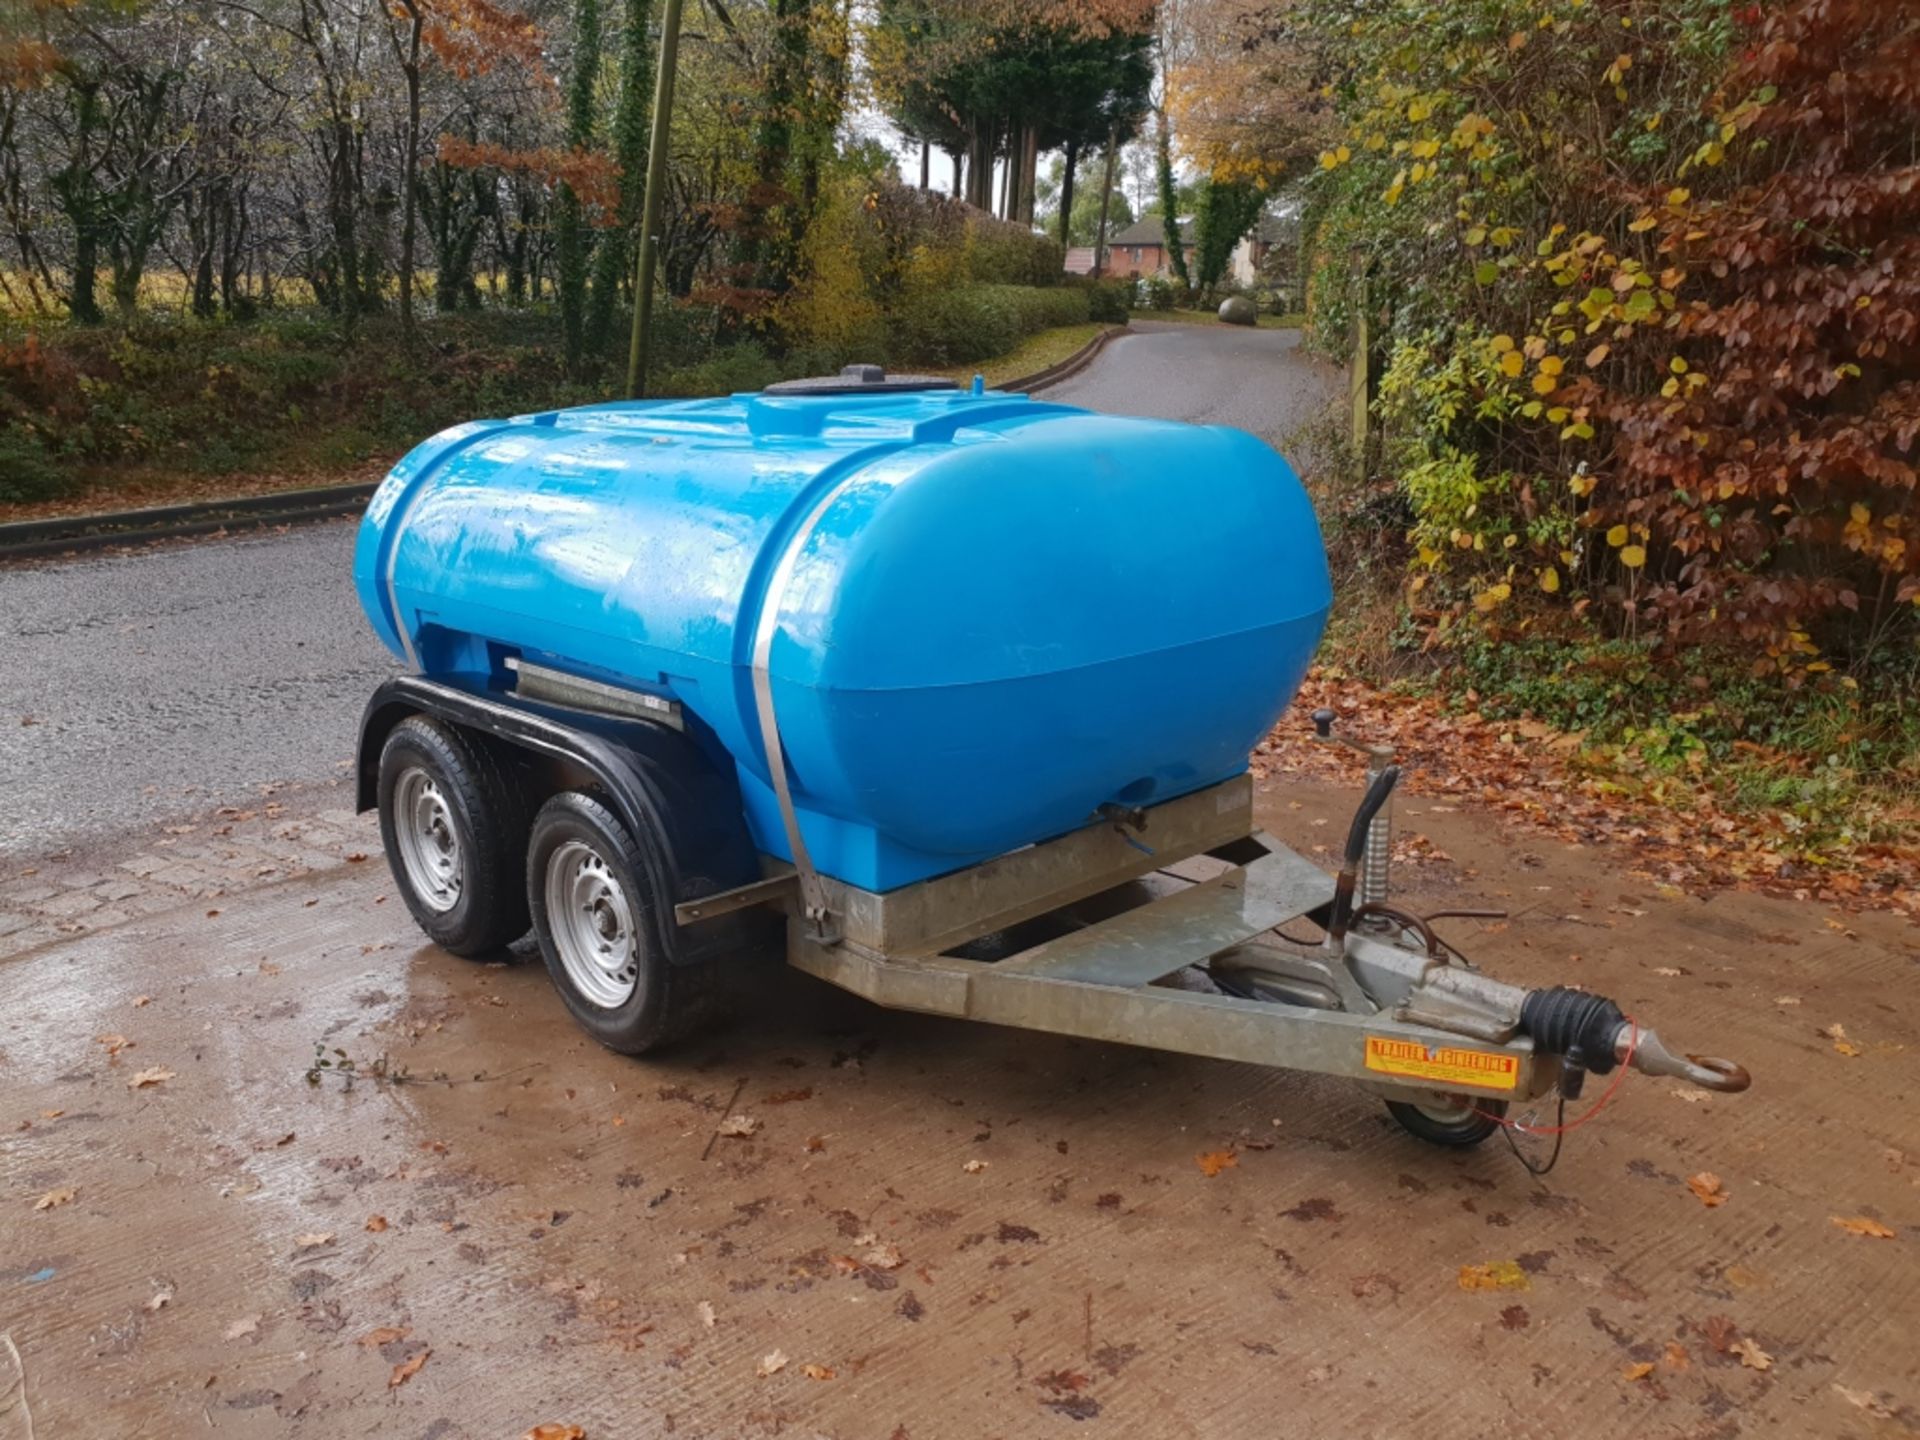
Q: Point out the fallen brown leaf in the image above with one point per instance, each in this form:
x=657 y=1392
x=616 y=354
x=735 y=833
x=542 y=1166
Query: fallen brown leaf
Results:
x=771 y=1363
x=1214 y=1161
x=140 y=1000
x=1865 y=1226
x=1751 y=1355
x=1865 y=1400
x=152 y=1075
x=974 y=1167
x=384 y=1335
x=708 y=1316
x=313 y=1240
x=738 y=1127
x=158 y=1301
x=1706 y=1185
x=551 y=1431
x=1637 y=1372
x=817 y=1372
x=407 y=1369
x=53 y=1199
x=1676 y=1356
x=376 y=1223
x=241 y=1328
x=114 y=1044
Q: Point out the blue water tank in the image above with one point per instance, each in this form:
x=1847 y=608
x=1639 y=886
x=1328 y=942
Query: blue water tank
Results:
x=981 y=615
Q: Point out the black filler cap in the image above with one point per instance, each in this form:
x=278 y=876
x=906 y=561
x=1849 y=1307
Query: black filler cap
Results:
x=860 y=380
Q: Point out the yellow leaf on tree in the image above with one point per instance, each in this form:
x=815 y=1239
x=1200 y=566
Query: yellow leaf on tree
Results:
x=1552 y=365
x=1643 y=224
x=1545 y=384
x=1512 y=363
x=1679 y=196
x=1633 y=556
x=1617 y=536
x=1550 y=580
x=1501 y=344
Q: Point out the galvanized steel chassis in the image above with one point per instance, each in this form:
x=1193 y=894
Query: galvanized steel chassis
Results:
x=1119 y=909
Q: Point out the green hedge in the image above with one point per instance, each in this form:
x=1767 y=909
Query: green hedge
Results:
x=975 y=322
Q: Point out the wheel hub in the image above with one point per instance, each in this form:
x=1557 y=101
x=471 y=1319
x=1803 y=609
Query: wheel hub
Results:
x=592 y=922
x=429 y=840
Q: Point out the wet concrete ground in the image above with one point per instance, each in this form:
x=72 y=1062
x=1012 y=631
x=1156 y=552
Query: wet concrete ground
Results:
x=945 y=1229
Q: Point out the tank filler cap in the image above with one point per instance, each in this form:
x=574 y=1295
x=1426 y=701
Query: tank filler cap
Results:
x=860 y=380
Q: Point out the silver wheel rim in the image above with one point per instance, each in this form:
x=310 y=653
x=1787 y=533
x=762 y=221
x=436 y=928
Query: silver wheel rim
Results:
x=429 y=839
x=1447 y=1110
x=592 y=925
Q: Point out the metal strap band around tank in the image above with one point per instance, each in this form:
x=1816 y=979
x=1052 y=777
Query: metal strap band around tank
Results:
x=813 y=895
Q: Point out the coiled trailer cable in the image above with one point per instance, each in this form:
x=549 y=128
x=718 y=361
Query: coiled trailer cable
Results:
x=1561 y=1127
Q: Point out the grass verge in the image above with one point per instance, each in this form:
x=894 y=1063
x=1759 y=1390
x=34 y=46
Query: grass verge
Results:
x=1210 y=316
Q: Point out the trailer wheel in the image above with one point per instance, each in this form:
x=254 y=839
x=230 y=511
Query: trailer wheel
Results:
x=597 y=913
x=1449 y=1120
x=454 y=824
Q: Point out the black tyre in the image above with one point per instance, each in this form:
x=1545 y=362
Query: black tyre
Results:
x=599 y=911
x=454 y=823
x=1449 y=1120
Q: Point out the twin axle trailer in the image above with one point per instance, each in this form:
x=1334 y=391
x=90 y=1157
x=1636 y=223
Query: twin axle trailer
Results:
x=944 y=697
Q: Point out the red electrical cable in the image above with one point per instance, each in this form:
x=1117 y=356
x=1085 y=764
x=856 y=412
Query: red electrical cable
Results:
x=1626 y=1063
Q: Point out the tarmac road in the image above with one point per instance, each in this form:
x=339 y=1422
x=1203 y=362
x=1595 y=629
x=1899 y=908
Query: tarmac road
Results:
x=140 y=687
x=145 y=687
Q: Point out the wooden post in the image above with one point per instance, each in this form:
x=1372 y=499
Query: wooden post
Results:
x=650 y=208
x=1357 y=379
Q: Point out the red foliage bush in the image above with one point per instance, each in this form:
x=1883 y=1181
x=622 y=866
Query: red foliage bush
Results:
x=1780 y=495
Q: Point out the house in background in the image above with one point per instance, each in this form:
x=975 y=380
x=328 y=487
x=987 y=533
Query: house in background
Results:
x=1141 y=248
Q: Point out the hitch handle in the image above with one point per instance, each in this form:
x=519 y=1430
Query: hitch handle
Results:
x=1376 y=796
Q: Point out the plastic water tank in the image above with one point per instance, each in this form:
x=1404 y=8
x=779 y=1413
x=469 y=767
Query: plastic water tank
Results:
x=981 y=616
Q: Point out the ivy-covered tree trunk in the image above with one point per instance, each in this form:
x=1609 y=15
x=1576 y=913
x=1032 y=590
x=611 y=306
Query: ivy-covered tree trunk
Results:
x=77 y=194
x=1169 y=208
x=630 y=125
x=571 y=238
x=763 y=259
x=409 y=58
x=1227 y=210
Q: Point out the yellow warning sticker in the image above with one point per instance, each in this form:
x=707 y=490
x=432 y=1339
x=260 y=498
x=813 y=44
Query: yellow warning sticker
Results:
x=1442 y=1064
